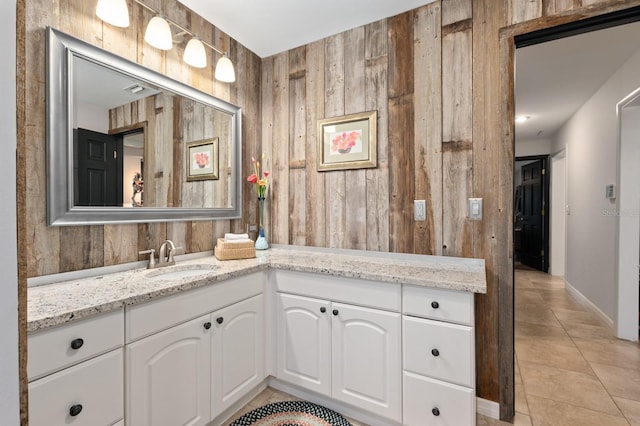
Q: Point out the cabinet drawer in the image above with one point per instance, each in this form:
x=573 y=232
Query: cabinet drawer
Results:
x=372 y=294
x=432 y=402
x=157 y=315
x=52 y=349
x=95 y=385
x=445 y=305
x=438 y=349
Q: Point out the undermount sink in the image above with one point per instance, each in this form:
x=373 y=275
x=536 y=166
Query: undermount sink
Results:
x=180 y=271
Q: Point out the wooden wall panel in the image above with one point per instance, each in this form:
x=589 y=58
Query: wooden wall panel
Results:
x=376 y=90
x=354 y=101
x=428 y=127
x=457 y=145
x=400 y=137
x=491 y=236
x=279 y=200
x=314 y=108
x=297 y=147
x=335 y=185
x=521 y=11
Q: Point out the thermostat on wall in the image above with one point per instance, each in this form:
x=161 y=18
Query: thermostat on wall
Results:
x=610 y=191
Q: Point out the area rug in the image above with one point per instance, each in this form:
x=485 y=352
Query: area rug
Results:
x=291 y=413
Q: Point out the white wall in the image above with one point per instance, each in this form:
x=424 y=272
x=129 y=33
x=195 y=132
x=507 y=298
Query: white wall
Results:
x=9 y=386
x=91 y=117
x=591 y=136
x=526 y=148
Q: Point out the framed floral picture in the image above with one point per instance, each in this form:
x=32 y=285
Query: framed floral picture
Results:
x=347 y=142
x=202 y=160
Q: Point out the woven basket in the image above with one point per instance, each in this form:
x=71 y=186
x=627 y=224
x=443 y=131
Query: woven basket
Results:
x=233 y=251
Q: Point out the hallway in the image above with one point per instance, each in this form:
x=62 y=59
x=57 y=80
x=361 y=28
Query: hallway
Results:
x=570 y=369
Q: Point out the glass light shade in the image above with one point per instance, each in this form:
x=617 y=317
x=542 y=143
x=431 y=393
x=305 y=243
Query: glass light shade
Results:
x=158 y=34
x=224 y=70
x=194 y=54
x=114 y=12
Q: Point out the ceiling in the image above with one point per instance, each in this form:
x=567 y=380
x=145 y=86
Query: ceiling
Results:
x=267 y=27
x=554 y=79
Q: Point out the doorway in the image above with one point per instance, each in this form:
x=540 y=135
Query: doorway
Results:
x=531 y=217
x=628 y=218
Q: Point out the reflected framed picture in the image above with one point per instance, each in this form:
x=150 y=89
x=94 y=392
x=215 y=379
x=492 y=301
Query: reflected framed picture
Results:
x=202 y=160
x=347 y=142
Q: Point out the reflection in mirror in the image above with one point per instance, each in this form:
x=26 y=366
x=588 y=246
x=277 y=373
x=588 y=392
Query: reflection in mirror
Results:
x=130 y=137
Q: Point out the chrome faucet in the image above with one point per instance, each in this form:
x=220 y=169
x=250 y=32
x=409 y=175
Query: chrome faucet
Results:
x=165 y=258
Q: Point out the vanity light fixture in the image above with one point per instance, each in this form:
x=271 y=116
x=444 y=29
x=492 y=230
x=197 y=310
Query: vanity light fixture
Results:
x=114 y=12
x=224 y=70
x=158 y=34
x=195 y=55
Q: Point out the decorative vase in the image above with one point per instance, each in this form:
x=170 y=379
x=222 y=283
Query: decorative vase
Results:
x=261 y=241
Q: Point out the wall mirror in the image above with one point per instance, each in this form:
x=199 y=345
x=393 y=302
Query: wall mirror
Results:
x=126 y=144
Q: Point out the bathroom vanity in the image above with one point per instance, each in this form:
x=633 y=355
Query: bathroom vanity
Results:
x=381 y=337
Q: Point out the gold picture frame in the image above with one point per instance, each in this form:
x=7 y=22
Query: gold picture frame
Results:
x=202 y=160
x=348 y=142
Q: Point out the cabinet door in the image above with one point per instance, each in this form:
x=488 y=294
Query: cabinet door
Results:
x=366 y=366
x=237 y=348
x=168 y=376
x=304 y=342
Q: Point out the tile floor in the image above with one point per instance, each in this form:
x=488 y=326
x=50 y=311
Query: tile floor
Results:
x=570 y=370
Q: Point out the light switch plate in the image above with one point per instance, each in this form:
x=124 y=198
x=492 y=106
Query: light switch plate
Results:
x=419 y=210
x=475 y=208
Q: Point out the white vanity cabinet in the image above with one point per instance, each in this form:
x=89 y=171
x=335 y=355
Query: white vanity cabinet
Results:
x=328 y=344
x=438 y=357
x=182 y=370
x=76 y=372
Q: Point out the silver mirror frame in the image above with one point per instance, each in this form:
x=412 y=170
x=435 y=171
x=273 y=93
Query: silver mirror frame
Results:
x=61 y=49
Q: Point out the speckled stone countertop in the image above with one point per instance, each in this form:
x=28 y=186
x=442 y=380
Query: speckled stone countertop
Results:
x=58 y=303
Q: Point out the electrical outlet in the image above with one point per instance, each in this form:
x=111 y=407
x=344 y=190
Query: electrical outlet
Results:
x=252 y=228
x=419 y=210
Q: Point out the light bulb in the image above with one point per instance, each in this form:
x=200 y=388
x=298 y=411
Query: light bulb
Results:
x=114 y=12
x=194 y=53
x=224 y=70
x=158 y=33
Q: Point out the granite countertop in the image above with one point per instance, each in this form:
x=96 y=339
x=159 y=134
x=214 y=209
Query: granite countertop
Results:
x=61 y=302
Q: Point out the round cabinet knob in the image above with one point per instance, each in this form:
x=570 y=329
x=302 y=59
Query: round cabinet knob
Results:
x=435 y=412
x=435 y=352
x=207 y=325
x=323 y=309
x=435 y=305
x=335 y=312
x=77 y=343
x=219 y=320
x=75 y=410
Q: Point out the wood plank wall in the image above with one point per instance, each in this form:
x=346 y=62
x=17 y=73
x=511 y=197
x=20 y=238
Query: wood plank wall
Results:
x=51 y=250
x=435 y=76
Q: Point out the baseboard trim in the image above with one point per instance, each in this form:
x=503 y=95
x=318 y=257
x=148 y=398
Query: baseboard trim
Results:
x=488 y=408
x=588 y=304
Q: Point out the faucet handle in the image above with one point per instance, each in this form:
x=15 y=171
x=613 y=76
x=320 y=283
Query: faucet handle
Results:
x=152 y=258
x=175 y=250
